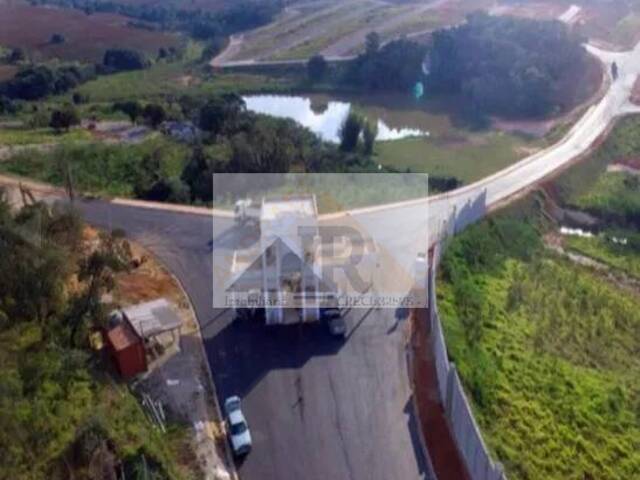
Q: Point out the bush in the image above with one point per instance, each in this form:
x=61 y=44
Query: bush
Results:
x=120 y=59
x=317 y=68
x=33 y=83
x=57 y=39
x=64 y=118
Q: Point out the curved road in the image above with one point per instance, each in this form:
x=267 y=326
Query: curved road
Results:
x=319 y=408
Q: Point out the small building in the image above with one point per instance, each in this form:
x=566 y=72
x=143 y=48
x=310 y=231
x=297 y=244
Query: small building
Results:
x=126 y=349
x=136 y=333
x=185 y=132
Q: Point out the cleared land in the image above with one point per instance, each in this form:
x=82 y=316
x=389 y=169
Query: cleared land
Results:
x=86 y=36
x=338 y=29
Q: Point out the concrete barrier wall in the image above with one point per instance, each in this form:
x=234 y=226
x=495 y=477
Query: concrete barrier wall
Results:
x=457 y=408
x=439 y=346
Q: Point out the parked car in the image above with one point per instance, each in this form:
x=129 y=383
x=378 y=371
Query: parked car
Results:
x=335 y=321
x=239 y=434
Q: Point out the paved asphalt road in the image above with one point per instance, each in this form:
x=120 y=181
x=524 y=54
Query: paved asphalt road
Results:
x=321 y=409
x=318 y=407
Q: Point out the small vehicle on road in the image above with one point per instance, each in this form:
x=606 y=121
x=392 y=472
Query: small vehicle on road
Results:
x=239 y=434
x=246 y=211
x=335 y=322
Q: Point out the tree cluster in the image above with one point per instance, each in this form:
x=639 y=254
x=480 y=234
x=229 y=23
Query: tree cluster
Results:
x=357 y=130
x=121 y=59
x=508 y=66
x=36 y=82
x=394 y=66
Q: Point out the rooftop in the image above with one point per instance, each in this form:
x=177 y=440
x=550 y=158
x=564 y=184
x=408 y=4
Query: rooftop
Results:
x=122 y=336
x=298 y=205
x=152 y=318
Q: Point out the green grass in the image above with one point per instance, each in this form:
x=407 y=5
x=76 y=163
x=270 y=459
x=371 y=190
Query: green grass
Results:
x=622 y=144
x=623 y=258
x=54 y=397
x=24 y=136
x=169 y=79
x=471 y=159
x=173 y=79
x=614 y=195
x=552 y=367
x=102 y=169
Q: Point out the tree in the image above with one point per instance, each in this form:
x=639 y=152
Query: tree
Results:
x=372 y=43
x=17 y=55
x=510 y=66
x=369 y=134
x=197 y=175
x=64 y=118
x=350 y=132
x=120 y=59
x=57 y=39
x=154 y=115
x=222 y=114
x=97 y=272
x=316 y=68
x=131 y=108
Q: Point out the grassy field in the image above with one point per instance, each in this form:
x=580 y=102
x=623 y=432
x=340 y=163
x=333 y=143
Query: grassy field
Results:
x=175 y=79
x=111 y=170
x=615 y=194
x=333 y=26
x=305 y=30
x=87 y=36
x=547 y=351
x=576 y=186
x=473 y=158
x=25 y=136
x=623 y=258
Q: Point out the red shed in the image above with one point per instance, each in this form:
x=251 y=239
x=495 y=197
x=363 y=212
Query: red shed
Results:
x=126 y=348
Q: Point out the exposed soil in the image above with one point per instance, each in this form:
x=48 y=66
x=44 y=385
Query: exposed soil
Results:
x=445 y=457
x=87 y=36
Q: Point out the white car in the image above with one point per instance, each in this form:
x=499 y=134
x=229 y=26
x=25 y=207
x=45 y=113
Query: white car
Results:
x=240 y=436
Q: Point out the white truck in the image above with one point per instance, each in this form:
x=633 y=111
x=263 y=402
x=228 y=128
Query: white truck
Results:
x=246 y=211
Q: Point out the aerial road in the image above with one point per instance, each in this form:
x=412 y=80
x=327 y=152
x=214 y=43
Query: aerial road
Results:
x=320 y=408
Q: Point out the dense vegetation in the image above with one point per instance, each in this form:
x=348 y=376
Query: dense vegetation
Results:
x=394 y=66
x=548 y=351
x=509 y=66
x=39 y=81
x=119 y=60
x=61 y=417
x=611 y=196
x=201 y=24
x=233 y=140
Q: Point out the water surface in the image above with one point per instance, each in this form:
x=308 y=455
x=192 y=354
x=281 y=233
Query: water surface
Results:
x=323 y=117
